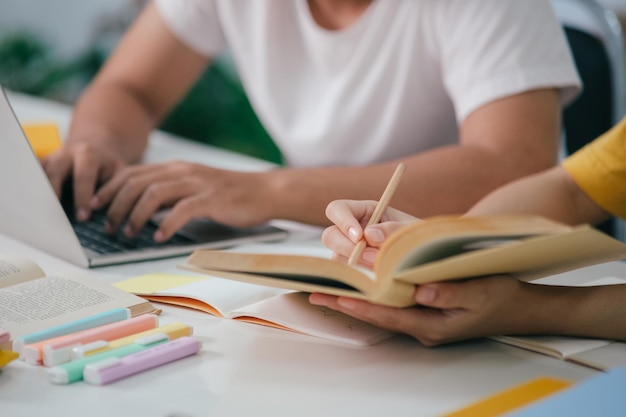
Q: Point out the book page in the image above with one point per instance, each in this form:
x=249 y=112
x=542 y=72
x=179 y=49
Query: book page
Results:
x=602 y=358
x=557 y=346
x=257 y=304
x=292 y=311
x=216 y=295
x=50 y=301
x=15 y=269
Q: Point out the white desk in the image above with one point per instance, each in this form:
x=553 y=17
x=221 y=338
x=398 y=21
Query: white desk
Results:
x=250 y=370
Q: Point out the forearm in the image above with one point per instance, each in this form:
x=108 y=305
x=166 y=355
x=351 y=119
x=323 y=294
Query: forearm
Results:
x=109 y=115
x=444 y=180
x=137 y=87
x=551 y=194
x=598 y=312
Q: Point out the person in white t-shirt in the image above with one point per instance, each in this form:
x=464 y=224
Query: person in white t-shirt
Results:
x=467 y=92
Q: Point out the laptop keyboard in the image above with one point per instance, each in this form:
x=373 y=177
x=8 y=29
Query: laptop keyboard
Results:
x=91 y=235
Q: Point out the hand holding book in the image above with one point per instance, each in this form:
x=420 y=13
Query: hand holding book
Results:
x=437 y=249
x=486 y=306
x=430 y=262
x=468 y=309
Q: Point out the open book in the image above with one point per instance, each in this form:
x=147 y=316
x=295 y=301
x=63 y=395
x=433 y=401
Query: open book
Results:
x=436 y=249
x=30 y=301
x=251 y=303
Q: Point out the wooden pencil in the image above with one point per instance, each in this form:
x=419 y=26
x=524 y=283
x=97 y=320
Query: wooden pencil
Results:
x=382 y=205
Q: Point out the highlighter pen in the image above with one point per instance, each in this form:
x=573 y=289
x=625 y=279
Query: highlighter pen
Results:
x=70 y=372
x=59 y=352
x=172 y=330
x=5 y=336
x=111 y=316
x=6 y=356
x=58 y=349
x=113 y=369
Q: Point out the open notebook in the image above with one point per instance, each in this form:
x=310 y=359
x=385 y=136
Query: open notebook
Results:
x=31 y=213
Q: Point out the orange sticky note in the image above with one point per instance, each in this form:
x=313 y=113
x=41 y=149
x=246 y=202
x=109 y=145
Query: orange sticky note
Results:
x=44 y=138
x=513 y=398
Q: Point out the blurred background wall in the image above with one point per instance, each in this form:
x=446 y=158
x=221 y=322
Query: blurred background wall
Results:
x=53 y=48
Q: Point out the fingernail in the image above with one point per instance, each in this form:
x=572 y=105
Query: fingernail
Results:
x=94 y=203
x=128 y=231
x=82 y=215
x=317 y=300
x=425 y=295
x=354 y=234
x=158 y=236
x=375 y=235
x=347 y=303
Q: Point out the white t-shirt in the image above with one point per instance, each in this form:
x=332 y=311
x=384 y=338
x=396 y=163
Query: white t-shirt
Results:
x=396 y=82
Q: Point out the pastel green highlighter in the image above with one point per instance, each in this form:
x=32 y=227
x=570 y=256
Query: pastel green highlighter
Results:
x=73 y=371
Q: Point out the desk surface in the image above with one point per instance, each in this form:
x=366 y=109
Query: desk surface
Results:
x=246 y=369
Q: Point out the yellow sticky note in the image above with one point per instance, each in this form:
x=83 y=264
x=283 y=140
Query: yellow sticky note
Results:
x=513 y=398
x=44 y=138
x=154 y=283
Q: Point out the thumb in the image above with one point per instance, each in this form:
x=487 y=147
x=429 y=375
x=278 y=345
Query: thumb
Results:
x=441 y=295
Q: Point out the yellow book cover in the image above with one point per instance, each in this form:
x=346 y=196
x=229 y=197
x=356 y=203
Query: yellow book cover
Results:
x=436 y=249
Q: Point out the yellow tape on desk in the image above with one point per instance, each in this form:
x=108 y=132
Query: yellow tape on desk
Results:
x=512 y=398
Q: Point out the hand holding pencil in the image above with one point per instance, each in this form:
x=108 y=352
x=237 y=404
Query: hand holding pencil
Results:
x=361 y=226
x=382 y=205
x=350 y=228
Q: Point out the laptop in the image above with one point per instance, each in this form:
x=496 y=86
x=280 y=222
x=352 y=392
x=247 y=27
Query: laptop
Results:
x=31 y=212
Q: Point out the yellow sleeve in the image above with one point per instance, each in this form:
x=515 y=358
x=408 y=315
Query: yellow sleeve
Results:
x=599 y=169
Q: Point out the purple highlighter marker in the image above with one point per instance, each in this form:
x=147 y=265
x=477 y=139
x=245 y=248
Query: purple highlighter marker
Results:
x=112 y=369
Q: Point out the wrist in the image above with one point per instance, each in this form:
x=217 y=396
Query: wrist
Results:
x=290 y=194
x=103 y=141
x=554 y=309
x=279 y=193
